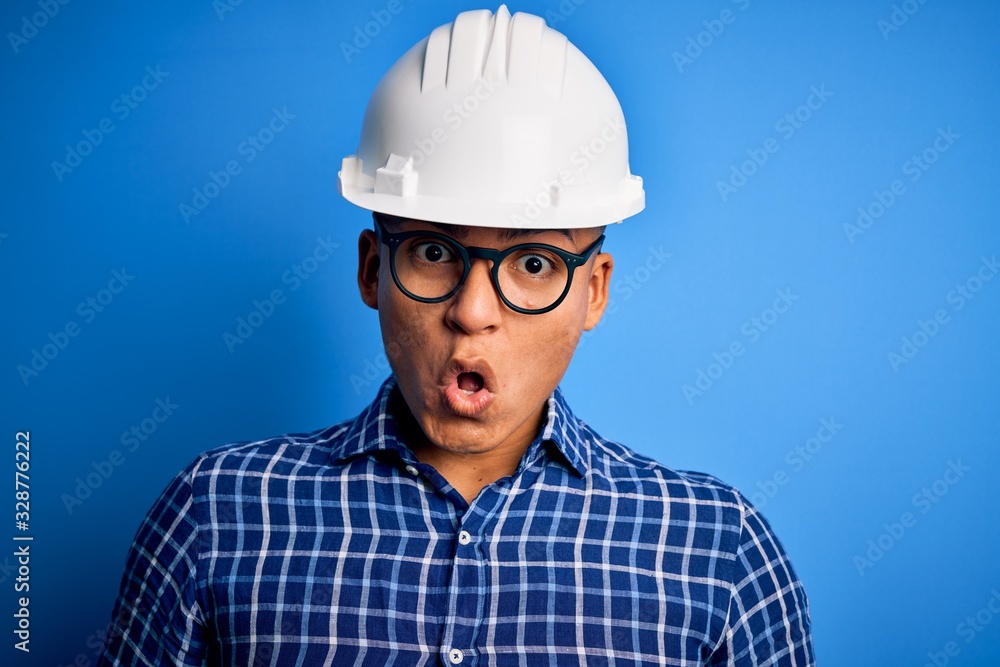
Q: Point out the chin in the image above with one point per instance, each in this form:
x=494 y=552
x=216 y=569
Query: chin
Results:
x=457 y=434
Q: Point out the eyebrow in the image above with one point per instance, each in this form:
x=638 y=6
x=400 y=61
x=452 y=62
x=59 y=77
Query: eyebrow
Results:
x=462 y=231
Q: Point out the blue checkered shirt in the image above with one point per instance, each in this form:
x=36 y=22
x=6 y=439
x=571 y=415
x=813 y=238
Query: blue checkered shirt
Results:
x=339 y=547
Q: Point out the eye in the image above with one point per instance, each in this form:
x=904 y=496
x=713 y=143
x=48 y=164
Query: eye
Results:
x=432 y=252
x=534 y=264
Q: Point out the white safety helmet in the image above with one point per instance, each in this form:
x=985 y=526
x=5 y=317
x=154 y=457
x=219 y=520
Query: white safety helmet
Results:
x=494 y=121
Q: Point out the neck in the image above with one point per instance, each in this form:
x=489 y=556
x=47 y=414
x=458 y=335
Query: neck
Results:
x=468 y=472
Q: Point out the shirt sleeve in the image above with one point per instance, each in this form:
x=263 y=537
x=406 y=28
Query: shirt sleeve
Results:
x=768 y=621
x=157 y=619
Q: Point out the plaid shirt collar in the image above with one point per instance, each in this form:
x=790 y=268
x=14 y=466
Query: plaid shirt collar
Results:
x=380 y=427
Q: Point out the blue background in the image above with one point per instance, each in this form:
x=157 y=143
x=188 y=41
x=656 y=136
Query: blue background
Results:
x=318 y=358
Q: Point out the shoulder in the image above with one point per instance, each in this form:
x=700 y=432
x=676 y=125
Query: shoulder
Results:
x=279 y=454
x=755 y=561
x=703 y=498
x=614 y=461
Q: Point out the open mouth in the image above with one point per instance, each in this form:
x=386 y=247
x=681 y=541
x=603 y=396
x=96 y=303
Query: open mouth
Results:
x=467 y=387
x=470 y=383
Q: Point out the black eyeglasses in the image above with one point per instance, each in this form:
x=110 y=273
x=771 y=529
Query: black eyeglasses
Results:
x=531 y=278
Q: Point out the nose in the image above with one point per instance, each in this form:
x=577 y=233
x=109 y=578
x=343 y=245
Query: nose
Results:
x=476 y=307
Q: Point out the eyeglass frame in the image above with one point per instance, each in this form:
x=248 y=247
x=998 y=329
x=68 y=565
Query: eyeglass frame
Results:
x=468 y=253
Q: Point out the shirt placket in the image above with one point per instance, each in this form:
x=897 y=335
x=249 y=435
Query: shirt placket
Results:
x=468 y=594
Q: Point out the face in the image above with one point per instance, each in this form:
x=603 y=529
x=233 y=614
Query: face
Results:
x=474 y=373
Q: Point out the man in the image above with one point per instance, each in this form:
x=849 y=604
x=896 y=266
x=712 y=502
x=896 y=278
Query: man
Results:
x=467 y=516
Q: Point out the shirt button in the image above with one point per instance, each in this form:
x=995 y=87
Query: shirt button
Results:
x=410 y=469
x=463 y=538
x=455 y=656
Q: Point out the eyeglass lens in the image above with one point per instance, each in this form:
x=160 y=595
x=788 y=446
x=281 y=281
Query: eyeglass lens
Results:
x=530 y=278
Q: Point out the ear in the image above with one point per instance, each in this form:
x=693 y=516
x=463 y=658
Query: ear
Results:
x=600 y=279
x=369 y=263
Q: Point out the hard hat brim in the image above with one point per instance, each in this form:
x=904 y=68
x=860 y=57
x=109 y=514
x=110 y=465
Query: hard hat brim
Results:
x=473 y=213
